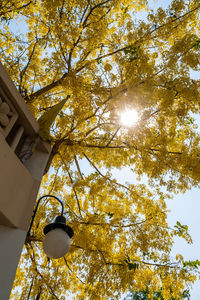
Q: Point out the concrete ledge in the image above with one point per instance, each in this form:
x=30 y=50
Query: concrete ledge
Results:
x=25 y=116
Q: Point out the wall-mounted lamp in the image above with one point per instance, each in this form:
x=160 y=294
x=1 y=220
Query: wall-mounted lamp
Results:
x=57 y=234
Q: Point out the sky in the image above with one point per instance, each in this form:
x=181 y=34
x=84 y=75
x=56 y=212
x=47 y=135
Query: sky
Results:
x=184 y=208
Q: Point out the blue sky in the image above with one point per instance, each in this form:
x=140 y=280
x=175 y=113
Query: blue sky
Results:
x=185 y=208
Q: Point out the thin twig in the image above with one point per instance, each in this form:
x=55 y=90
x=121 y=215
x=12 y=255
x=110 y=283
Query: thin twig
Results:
x=76 y=196
x=113 y=136
x=72 y=270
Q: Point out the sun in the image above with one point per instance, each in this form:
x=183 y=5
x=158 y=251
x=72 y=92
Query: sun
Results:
x=128 y=117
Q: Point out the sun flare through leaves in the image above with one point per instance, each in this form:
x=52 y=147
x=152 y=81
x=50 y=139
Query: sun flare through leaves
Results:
x=129 y=117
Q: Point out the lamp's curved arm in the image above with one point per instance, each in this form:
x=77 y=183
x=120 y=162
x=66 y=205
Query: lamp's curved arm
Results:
x=36 y=208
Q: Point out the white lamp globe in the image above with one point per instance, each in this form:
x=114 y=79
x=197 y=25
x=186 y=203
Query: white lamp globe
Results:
x=57 y=238
x=56 y=243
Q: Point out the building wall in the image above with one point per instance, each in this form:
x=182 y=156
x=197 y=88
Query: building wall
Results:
x=11 y=241
x=23 y=158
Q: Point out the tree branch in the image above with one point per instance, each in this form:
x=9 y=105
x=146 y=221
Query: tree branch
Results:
x=32 y=256
x=76 y=196
x=78 y=167
x=72 y=270
x=109 y=179
x=168 y=265
x=113 y=136
x=116 y=226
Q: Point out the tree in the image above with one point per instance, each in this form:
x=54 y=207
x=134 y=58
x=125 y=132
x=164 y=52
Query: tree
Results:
x=143 y=295
x=99 y=54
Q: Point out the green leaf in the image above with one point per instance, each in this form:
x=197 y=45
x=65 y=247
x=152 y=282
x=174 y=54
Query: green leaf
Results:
x=194 y=264
x=133 y=266
x=196 y=45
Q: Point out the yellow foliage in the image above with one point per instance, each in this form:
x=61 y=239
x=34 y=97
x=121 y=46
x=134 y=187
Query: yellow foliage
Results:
x=99 y=54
